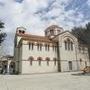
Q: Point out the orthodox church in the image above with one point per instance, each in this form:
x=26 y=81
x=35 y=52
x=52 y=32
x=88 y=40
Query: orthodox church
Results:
x=57 y=51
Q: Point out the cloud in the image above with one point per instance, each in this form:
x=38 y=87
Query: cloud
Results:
x=88 y=2
x=36 y=15
x=19 y=1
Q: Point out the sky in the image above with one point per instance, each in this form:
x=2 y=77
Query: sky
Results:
x=37 y=15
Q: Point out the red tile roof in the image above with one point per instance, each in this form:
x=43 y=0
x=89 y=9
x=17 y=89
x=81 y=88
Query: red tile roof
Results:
x=34 y=37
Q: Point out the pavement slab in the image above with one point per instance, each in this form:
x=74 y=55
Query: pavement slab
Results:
x=50 y=81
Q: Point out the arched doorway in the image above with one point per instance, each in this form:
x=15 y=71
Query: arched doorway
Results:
x=12 y=68
x=4 y=67
x=70 y=65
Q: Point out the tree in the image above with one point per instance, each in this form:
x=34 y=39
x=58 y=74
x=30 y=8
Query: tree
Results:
x=83 y=34
x=2 y=34
x=79 y=33
x=87 y=33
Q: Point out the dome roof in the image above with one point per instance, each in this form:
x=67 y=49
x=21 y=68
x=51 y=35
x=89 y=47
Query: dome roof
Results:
x=54 y=27
x=53 y=30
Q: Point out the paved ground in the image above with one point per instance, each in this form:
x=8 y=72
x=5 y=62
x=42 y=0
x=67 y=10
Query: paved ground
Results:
x=54 y=81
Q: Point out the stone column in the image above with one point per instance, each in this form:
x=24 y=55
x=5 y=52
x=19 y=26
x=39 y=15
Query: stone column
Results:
x=8 y=69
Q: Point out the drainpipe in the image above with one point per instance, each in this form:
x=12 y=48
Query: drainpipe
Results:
x=89 y=54
x=76 y=57
x=58 y=57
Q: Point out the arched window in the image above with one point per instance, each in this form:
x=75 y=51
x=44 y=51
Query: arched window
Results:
x=52 y=32
x=23 y=32
x=85 y=63
x=68 y=44
x=80 y=61
x=70 y=65
x=65 y=42
x=31 y=46
x=47 y=59
x=31 y=60
x=48 y=47
x=71 y=45
x=68 y=41
x=20 y=31
x=45 y=33
x=55 y=61
x=39 y=47
x=54 y=48
x=39 y=59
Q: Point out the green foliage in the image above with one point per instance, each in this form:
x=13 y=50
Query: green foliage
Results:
x=2 y=37
x=1 y=24
x=82 y=33
x=2 y=34
x=88 y=27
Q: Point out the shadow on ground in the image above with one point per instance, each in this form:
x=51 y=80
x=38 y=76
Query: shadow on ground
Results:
x=81 y=74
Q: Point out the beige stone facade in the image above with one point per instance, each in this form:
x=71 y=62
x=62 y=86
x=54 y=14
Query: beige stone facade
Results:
x=57 y=51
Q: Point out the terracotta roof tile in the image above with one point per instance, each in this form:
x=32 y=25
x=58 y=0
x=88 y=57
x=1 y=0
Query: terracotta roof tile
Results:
x=34 y=37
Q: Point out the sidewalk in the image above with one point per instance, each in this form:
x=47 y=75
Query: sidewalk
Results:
x=53 y=81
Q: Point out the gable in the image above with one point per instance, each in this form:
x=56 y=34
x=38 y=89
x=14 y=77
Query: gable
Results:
x=64 y=35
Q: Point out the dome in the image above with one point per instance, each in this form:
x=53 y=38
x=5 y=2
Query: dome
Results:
x=53 y=30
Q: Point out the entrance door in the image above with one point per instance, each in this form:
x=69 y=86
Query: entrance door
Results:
x=4 y=67
x=12 y=68
x=70 y=65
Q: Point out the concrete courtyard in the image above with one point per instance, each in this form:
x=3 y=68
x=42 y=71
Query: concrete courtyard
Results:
x=51 y=81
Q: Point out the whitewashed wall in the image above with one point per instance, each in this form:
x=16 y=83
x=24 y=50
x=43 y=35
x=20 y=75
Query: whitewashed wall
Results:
x=35 y=67
x=24 y=66
x=74 y=56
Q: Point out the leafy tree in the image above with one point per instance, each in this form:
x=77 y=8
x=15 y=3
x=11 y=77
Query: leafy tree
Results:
x=2 y=34
x=79 y=33
x=83 y=34
x=87 y=33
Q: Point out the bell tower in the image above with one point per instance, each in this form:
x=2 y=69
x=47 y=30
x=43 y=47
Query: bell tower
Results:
x=20 y=30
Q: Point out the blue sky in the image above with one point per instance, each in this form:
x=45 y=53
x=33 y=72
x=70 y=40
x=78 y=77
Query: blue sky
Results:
x=36 y=15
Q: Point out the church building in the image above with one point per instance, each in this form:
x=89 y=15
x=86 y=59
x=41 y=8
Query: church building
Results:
x=57 y=51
